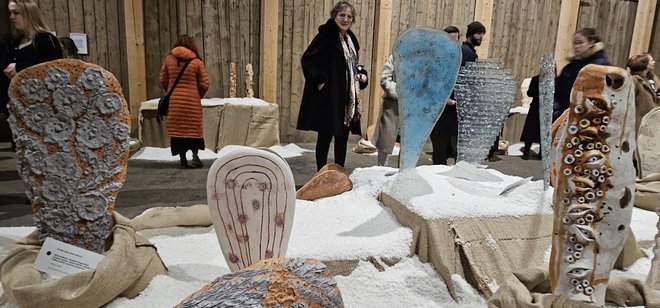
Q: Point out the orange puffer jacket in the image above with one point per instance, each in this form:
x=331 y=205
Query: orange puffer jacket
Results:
x=184 y=118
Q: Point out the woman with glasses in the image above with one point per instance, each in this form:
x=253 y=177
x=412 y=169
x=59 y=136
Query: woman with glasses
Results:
x=330 y=104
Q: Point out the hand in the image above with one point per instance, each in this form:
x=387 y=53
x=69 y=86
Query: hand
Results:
x=451 y=102
x=10 y=70
x=320 y=86
x=361 y=78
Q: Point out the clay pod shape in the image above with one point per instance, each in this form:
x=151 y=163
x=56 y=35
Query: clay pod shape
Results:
x=251 y=196
x=594 y=188
x=330 y=181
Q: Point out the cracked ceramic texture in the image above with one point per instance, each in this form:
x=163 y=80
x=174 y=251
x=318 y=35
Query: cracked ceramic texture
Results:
x=72 y=145
x=426 y=61
x=546 y=98
x=593 y=197
x=484 y=92
x=271 y=283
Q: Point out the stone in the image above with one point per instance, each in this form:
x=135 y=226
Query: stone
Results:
x=427 y=62
x=271 y=283
x=331 y=180
x=594 y=188
x=648 y=144
x=251 y=196
x=546 y=99
x=71 y=126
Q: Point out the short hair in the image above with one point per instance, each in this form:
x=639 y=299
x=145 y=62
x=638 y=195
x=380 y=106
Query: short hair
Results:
x=69 y=48
x=340 y=6
x=452 y=29
x=185 y=40
x=590 y=34
x=34 y=19
x=638 y=63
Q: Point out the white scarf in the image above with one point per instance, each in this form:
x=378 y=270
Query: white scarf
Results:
x=353 y=105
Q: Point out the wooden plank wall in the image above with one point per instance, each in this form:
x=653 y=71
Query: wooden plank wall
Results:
x=225 y=31
x=102 y=21
x=614 y=21
x=654 y=47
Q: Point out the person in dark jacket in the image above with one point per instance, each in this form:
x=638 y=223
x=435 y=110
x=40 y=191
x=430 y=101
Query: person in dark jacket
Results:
x=587 y=49
x=531 y=132
x=330 y=103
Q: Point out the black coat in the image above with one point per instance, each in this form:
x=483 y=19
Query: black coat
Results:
x=532 y=130
x=564 y=82
x=324 y=62
x=44 y=47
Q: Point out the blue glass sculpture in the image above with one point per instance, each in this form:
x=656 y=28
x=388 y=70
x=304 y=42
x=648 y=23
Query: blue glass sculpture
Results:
x=426 y=63
x=546 y=97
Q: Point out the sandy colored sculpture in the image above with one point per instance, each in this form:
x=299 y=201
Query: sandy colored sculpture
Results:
x=330 y=181
x=251 y=196
x=71 y=126
x=594 y=187
x=232 y=79
x=271 y=283
x=249 y=81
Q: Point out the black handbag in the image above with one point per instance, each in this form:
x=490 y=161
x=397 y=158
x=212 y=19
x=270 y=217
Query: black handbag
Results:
x=164 y=102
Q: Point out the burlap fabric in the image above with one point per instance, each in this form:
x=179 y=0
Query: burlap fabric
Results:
x=530 y=288
x=128 y=267
x=647 y=192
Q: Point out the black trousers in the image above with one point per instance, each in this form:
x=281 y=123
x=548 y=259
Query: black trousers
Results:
x=323 y=148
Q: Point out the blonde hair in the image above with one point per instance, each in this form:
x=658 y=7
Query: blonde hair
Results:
x=34 y=19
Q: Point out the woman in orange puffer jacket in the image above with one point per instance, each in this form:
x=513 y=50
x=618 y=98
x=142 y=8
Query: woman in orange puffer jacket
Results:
x=184 y=118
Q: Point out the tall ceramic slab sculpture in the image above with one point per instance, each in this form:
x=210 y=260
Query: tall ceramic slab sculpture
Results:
x=251 y=195
x=594 y=191
x=426 y=62
x=70 y=123
x=485 y=92
x=546 y=98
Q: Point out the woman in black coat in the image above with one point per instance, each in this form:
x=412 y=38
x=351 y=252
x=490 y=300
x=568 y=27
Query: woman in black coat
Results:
x=531 y=132
x=587 y=49
x=330 y=103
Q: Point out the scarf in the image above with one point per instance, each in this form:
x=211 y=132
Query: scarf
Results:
x=353 y=108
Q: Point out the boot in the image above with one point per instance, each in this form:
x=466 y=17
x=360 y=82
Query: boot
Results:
x=525 y=154
x=196 y=162
x=183 y=160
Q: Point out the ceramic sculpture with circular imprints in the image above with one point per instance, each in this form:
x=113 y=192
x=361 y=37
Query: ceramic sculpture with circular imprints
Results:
x=594 y=187
x=70 y=122
x=251 y=196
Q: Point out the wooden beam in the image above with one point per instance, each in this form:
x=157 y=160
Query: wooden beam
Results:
x=137 y=80
x=381 y=50
x=270 y=12
x=641 y=37
x=483 y=12
x=568 y=17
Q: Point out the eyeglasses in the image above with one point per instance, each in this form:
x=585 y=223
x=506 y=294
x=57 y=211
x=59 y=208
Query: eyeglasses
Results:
x=343 y=16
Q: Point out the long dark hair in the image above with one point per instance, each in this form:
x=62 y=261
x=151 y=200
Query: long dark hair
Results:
x=186 y=41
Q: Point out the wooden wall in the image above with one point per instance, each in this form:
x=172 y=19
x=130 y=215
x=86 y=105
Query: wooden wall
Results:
x=224 y=30
x=654 y=47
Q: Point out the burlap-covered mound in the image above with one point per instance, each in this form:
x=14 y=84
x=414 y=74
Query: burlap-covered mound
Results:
x=128 y=267
x=531 y=288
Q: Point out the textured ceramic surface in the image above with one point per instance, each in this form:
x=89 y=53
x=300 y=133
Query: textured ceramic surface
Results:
x=594 y=189
x=251 y=195
x=298 y=283
x=426 y=62
x=546 y=99
x=71 y=126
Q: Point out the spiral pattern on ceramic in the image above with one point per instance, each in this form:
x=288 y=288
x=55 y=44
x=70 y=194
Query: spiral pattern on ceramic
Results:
x=71 y=126
x=593 y=193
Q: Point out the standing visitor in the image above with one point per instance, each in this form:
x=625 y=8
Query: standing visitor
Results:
x=388 y=119
x=445 y=132
x=646 y=83
x=587 y=49
x=69 y=49
x=330 y=103
x=184 y=117
x=531 y=132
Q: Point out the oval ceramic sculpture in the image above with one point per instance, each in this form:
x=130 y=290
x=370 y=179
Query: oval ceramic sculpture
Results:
x=426 y=64
x=71 y=126
x=594 y=188
x=251 y=195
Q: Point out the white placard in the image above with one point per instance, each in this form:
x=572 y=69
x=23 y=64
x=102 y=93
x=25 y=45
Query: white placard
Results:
x=80 y=39
x=59 y=259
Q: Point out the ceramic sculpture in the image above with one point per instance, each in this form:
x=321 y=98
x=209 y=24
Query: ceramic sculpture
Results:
x=71 y=126
x=271 y=283
x=426 y=61
x=330 y=181
x=251 y=196
x=594 y=188
x=485 y=92
x=546 y=98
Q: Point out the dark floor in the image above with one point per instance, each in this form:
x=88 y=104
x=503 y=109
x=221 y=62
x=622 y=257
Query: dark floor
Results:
x=151 y=184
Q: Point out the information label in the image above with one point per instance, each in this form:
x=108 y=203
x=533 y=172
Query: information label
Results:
x=60 y=259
